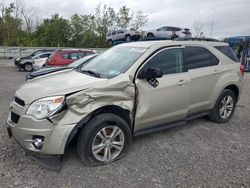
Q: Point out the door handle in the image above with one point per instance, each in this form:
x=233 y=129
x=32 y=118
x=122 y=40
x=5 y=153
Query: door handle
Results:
x=181 y=82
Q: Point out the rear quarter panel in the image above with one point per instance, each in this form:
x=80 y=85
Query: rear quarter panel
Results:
x=229 y=75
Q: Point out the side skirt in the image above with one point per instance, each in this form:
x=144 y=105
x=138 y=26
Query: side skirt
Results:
x=170 y=125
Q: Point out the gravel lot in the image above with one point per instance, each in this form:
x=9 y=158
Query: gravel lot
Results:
x=199 y=154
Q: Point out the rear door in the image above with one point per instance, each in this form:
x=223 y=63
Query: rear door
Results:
x=203 y=71
x=168 y=101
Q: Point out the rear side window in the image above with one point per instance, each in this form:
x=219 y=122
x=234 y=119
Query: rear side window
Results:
x=197 y=57
x=81 y=55
x=89 y=53
x=169 y=61
x=227 y=51
x=74 y=55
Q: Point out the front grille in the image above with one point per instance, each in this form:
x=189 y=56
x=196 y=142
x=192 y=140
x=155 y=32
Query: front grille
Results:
x=20 y=102
x=14 y=117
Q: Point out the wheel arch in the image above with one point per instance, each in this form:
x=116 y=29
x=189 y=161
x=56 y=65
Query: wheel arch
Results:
x=128 y=34
x=230 y=81
x=150 y=33
x=117 y=110
x=234 y=88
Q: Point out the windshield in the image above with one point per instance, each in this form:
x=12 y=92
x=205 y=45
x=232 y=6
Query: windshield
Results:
x=81 y=61
x=114 y=61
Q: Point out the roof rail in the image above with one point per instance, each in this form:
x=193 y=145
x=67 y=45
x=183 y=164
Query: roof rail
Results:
x=196 y=39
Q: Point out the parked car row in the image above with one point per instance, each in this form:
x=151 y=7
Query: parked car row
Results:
x=165 y=31
x=44 y=57
x=104 y=103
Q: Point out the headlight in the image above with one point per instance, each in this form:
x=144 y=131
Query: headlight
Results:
x=45 y=107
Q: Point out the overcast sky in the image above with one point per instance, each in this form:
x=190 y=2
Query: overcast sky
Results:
x=221 y=18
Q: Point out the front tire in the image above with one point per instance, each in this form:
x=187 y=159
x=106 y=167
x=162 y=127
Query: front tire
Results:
x=224 y=107
x=27 y=67
x=110 y=42
x=105 y=139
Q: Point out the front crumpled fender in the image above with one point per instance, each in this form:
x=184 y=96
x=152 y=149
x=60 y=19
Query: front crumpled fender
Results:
x=119 y=93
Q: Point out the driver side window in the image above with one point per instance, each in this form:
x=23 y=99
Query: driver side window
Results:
x=169 y=61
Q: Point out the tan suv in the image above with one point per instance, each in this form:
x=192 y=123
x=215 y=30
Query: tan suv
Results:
x=129 y=90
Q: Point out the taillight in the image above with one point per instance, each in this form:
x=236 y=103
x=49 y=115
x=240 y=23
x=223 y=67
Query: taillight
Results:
x=242 y=68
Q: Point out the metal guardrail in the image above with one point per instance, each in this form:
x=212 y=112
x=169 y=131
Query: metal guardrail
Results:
x=13 y=52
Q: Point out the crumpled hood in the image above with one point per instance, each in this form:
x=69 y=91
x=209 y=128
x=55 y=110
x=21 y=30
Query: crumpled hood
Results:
x=59 y=83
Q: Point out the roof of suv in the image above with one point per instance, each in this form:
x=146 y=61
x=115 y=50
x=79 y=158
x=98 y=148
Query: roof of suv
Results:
x=148 y=44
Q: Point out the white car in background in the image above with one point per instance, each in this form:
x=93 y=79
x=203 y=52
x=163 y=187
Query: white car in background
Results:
x=39 y=63
x=168 y=32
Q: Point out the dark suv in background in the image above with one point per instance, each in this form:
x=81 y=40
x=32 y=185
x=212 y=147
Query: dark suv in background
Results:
x=17 y=60
x=64 y=57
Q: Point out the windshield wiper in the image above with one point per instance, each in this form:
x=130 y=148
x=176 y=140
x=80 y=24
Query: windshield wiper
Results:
x=91 y=73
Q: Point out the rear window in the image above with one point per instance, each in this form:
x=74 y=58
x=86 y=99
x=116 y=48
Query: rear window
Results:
x=228 y=51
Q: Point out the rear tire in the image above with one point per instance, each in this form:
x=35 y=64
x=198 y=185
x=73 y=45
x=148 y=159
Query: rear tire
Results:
x=128 y=38
x=224 y=107
x=105 y=139
x=150 y=35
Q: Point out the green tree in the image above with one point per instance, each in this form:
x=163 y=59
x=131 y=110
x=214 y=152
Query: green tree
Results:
x=105 y=18
x=1 y=31
x=83 y=31
x=139 y=20
x=11 y=26
x=53 y=32
x=124 y=17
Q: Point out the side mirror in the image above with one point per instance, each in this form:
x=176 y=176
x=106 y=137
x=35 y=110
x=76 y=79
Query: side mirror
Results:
x=150 y=73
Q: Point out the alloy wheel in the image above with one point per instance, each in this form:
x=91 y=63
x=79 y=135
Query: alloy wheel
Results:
x=28 y=67
x=227 y=105
x=108 y=143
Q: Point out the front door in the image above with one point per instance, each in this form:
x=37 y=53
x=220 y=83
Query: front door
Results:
x=168 y=101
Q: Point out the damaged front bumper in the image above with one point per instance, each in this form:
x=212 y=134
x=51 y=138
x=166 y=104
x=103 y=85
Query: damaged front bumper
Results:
x=54 y=139
x=52 y=162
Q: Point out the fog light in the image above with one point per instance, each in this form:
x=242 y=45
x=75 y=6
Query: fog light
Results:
x=38 y=142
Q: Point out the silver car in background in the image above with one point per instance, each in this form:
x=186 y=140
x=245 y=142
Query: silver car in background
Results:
x=27 y=64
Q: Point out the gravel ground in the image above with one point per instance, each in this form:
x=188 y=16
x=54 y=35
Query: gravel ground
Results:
x=199 y=154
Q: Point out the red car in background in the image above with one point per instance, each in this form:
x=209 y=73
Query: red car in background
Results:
x=64 y=57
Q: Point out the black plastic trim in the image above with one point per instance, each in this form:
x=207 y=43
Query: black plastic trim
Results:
x=171 y=125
